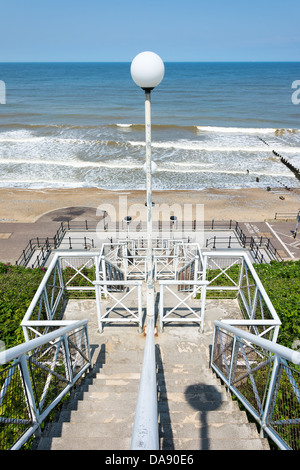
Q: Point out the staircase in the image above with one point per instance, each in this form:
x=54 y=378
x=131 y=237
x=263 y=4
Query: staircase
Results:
x=196 y=413
x=195 y=410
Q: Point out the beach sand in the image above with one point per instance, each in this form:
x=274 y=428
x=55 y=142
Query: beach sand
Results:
x=28 y=205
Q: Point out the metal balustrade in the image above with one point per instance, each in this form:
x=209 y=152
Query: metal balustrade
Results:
x=145 y=429
x=182 y=312
x=111 y=306
x=263 y=376
x=35 y=376
x=232 y=275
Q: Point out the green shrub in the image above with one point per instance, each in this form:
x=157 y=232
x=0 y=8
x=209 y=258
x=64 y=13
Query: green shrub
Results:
x=17 y=288
x=281 y=281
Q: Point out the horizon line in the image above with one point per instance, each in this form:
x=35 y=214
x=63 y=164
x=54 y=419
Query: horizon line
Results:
x=165 y=61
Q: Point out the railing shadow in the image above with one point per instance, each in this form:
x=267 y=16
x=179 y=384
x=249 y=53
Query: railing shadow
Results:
x=164 y=418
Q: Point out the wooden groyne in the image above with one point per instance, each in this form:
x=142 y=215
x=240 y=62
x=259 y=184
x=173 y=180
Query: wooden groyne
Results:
x=289 y=165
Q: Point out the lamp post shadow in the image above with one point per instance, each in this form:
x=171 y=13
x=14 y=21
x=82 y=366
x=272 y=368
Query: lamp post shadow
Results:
x=204 y=398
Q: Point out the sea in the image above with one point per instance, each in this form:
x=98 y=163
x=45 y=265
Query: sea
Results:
x=214 y=125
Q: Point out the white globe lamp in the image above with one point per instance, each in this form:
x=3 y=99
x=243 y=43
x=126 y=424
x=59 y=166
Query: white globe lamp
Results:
x=147 y=70
x=153 y=167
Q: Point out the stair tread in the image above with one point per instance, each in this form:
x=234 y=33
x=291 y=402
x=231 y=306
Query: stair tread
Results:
x=213 y=444
x=77 y=443
x=209 y=431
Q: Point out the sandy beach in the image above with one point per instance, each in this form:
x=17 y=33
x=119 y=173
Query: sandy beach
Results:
x=28 y=205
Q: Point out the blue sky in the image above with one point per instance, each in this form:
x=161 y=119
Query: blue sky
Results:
x=116 y=30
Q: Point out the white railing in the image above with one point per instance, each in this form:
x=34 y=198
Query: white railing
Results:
x=145 y=429
x=262 y=375
x=35 y=376
x=233 y=274
x=169 y=256
x=65 y=273
x=182 y=311
x=111 y=306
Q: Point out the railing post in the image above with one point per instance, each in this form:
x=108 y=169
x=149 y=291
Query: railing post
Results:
x=229 y=241
x=140 y=312
x=161 y=308
x=30 y=394
x=196 y=274
x=203 y=302
x=269 y=399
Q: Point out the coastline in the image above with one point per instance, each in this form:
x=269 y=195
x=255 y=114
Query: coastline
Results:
x=254 y=204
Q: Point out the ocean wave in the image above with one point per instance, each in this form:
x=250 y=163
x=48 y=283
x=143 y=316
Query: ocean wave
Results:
x=39 y=183
x=72 y=164
x=245 y=130
x=177 y=167
x=211 y=147
x=225 y=172
x=212 y=129
x=141 y=127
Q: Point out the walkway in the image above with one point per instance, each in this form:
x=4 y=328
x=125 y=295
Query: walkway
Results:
x=15 y=236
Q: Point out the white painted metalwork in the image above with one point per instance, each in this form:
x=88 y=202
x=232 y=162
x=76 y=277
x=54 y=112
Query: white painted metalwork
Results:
x=145 y=429
x=116 y=311
x=182 y=312
x=29 y=387
x=261 y=374
x=260 y=317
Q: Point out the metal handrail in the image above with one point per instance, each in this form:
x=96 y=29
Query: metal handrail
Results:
x=280 y=357
x=18 y=360
x=145 y=429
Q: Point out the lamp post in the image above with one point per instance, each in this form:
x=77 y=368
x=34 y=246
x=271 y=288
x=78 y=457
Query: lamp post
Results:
x=147 y=71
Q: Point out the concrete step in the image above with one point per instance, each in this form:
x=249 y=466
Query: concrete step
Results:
x=195 y=396
x=95 y=401
x=196 y=405
x=216 y=444
x=195 y=417
x=110 y=374
x=77 y=443
x=97 y=415
x=88 y=430
x=200 y=390
x=201 y=429
x=114 y=386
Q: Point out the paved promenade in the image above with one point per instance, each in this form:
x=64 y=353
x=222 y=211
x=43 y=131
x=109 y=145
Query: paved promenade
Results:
x=15 y=236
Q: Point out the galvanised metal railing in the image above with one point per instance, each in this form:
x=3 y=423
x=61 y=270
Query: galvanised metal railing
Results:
x=171 y=257
x=74 y=275
x=232 y=275
x=145 y=429
x=182 y=311
x=35 y=376
x=265 y=377
x=116 y=311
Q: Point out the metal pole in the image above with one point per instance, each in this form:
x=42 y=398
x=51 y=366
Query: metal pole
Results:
x=296 y=229
x=150 y=284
